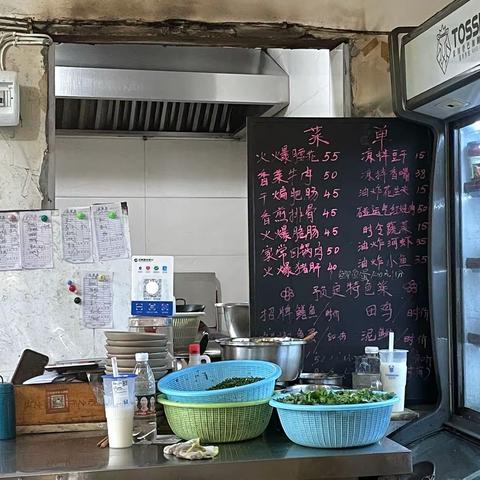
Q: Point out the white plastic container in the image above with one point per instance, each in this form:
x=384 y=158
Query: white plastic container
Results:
x=119 y=398
x=393 y=374
x=194 y=357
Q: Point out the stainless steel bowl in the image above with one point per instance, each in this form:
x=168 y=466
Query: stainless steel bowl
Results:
x=233 y=319
x=305 y=388
x=286 y=352
x=321 y=379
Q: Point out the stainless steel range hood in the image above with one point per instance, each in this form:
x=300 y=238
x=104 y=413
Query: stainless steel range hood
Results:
x=172 y=91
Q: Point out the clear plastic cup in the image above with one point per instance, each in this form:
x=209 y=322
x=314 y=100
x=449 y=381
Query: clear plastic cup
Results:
x=393 y=374
x=119 y=399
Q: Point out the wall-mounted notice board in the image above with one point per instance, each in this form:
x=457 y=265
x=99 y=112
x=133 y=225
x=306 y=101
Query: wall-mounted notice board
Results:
x=339 y=224
x=37 y=310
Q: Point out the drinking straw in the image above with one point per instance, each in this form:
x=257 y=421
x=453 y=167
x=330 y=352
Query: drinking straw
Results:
x=115 y=366
x=391 y=339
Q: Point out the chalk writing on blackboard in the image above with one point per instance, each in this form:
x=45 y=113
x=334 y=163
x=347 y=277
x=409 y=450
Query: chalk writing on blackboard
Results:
x=339 y=237
x=37 y=239
x=10 y=245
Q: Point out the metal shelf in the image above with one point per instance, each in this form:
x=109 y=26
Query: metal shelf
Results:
x=472 y=188
x=473 y=263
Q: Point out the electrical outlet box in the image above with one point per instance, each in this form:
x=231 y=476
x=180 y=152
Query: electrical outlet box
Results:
x=9 y=99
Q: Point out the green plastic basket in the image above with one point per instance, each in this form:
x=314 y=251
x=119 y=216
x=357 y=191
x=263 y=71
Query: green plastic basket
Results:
x=217 y=422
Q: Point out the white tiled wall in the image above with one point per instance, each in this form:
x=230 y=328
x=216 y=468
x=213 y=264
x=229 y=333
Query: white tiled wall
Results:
x=195 y=168
x=187 y=198
x=203 y=226
x=100 y=167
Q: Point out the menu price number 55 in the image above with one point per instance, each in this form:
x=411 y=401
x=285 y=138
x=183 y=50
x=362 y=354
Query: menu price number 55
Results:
x=330 y=157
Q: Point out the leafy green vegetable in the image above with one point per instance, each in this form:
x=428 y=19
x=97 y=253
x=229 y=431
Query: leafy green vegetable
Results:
x=324 y=396
x=235 y=382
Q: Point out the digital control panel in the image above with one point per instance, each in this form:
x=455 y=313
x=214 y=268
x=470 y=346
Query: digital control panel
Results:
x=152 y=286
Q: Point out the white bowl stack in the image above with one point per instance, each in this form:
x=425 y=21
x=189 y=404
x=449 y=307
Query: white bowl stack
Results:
x=124 y=346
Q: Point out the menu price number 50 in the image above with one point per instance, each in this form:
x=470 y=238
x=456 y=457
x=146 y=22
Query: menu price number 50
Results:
x=332 y=250
x=330 y=174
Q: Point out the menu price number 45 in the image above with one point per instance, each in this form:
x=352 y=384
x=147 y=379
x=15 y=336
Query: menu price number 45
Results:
x=330 y=232
x=335 y=193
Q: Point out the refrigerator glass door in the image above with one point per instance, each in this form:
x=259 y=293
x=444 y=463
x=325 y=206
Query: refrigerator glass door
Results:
x=466 y=176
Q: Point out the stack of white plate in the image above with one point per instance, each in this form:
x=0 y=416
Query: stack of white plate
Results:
x=124 y=346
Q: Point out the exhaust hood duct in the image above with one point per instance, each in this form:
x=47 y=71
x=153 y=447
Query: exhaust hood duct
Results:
x=152 y=90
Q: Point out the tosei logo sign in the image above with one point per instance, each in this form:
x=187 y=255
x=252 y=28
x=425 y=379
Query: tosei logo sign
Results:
x=444 y=48
x=458 y=42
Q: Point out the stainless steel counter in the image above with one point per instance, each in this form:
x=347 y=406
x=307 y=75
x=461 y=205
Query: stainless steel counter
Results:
x=273 y=456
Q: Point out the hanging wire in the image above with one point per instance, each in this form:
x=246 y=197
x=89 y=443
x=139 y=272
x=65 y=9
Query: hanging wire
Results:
x=15 y=39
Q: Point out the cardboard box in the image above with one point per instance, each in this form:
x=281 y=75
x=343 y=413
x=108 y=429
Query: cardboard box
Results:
x=58 y=403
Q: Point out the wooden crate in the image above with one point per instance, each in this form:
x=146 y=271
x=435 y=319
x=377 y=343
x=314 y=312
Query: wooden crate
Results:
x=52 y=404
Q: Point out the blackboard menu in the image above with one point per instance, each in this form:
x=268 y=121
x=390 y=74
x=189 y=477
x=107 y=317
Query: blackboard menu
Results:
x=338 y=238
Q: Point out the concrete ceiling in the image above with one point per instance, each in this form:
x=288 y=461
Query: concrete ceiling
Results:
x=350 y=15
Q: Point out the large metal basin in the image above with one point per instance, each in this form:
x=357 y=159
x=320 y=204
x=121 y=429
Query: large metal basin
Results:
x=286 y=352
x=233 y=319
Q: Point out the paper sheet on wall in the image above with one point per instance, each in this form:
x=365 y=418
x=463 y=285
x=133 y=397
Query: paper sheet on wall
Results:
x=77 y=238
x=10 y=246
x=37 y=239
x=97 y=300
x=110 y=231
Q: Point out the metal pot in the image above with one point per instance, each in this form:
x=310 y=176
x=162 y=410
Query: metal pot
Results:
x=321 y=379
x=189 y=307
x=286 y=352
x=233 y=319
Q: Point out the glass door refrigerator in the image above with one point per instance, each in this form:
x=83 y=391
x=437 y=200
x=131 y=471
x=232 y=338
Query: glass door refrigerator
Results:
x=464 y=165
x=435 y=72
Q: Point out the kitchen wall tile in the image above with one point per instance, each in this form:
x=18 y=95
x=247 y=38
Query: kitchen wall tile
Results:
x=136 y=215
x=92 y=167
x=201 y=226
x=196 y=168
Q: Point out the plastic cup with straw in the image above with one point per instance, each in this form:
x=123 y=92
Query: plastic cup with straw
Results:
x=119 y=399
x=393 y=371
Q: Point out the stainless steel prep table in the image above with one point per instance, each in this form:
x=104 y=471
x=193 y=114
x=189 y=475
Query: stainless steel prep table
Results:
x=68 y=456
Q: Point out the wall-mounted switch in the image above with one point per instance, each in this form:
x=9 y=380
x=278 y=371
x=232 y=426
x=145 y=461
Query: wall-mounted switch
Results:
x=9 y=99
